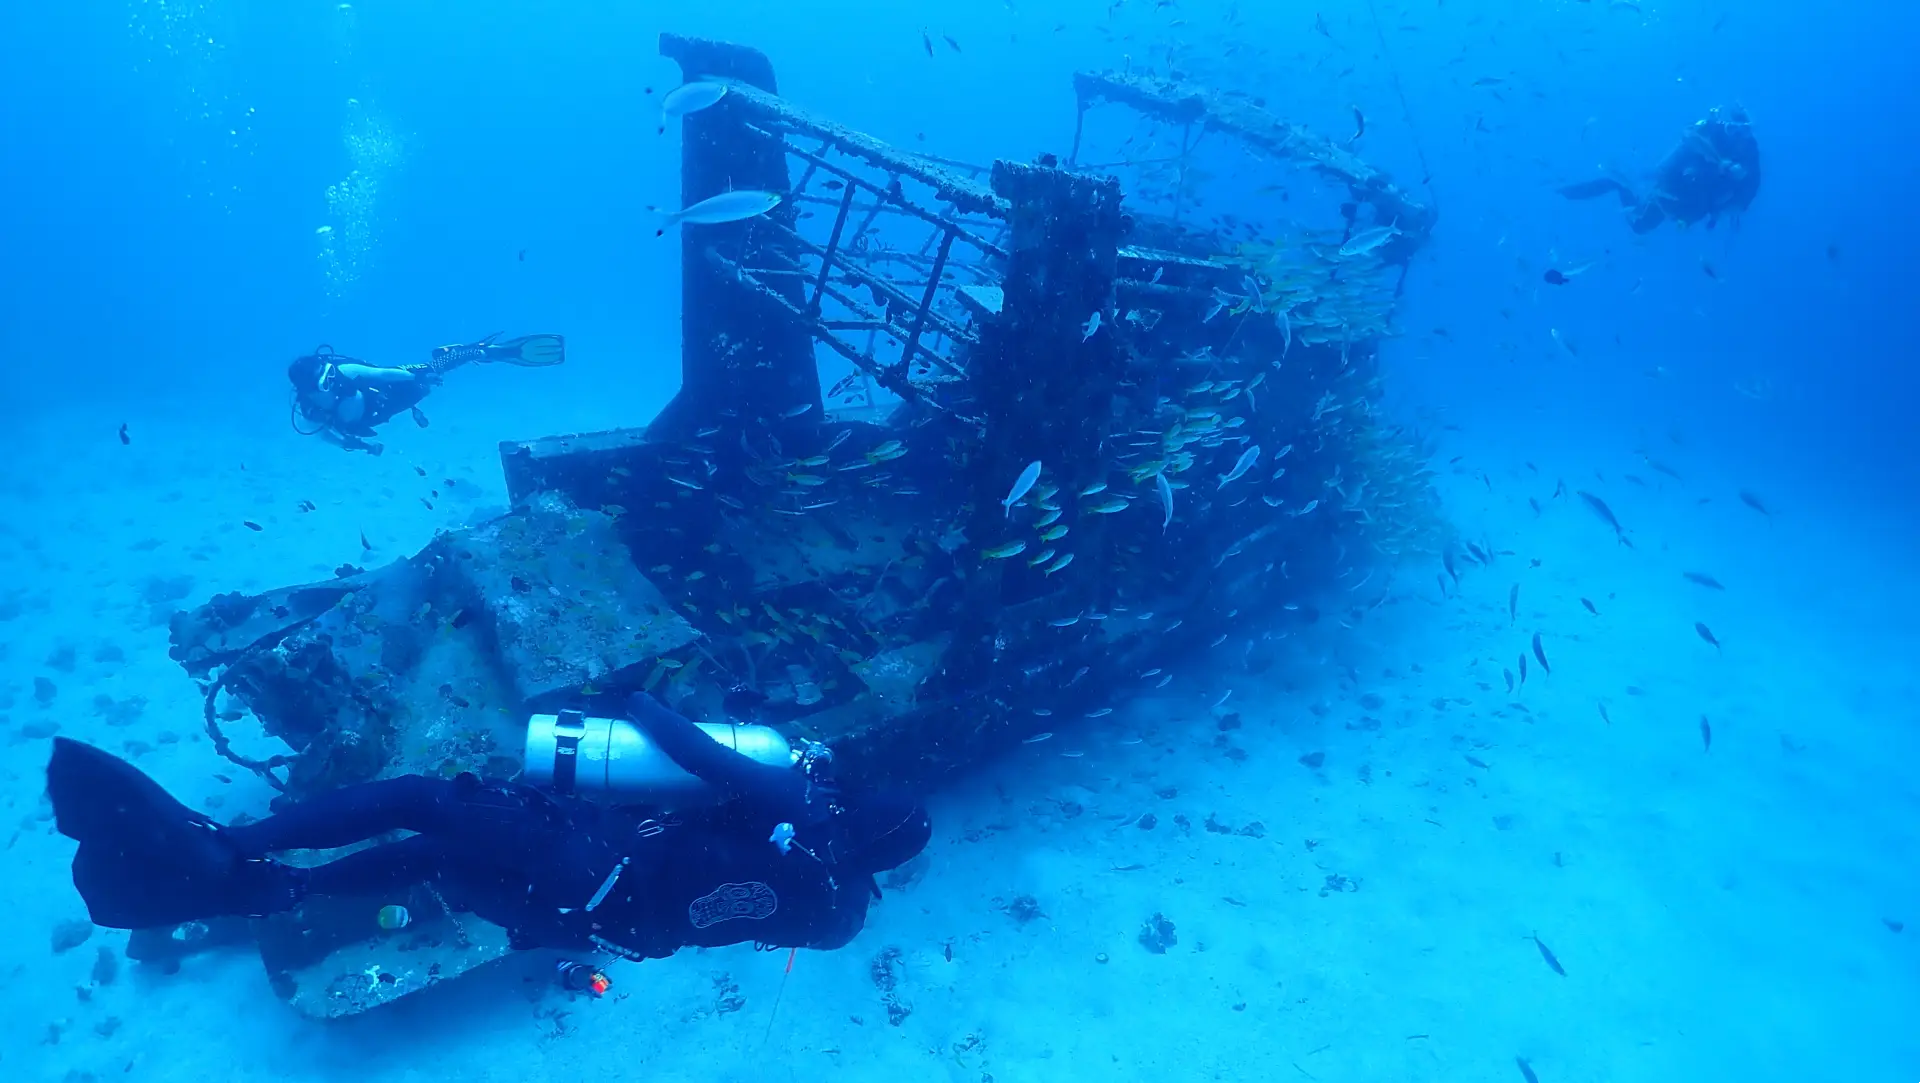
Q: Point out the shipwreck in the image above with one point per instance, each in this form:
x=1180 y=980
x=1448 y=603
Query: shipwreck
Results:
x=961 y=453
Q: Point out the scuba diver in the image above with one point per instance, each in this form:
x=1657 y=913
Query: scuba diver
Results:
x=788 y=860
x=1714 y=171
x=345 y=399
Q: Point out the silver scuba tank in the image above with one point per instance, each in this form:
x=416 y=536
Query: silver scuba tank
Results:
x=573 y=753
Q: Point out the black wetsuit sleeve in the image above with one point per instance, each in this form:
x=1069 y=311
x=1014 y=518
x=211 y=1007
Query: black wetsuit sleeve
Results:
x=777 y=791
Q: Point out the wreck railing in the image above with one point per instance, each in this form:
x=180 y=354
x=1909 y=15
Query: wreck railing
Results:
x=1211 y=111
x=874 y=192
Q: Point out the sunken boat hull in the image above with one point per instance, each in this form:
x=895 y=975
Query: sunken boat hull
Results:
x=823 y=531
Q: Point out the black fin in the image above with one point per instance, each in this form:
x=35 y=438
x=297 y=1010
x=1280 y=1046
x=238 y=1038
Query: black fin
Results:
x=145 y=859
x=1593 y=188
x=531 y=351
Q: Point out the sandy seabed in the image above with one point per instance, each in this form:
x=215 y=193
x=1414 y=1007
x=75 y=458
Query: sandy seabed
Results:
x=1351 y=855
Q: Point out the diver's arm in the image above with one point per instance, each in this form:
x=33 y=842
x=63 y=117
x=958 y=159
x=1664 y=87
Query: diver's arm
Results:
x=779 y=791
x=373 y=375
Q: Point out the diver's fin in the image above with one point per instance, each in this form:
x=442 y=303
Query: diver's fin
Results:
x=1599 y=187
x=530 y=351
x=145 y=859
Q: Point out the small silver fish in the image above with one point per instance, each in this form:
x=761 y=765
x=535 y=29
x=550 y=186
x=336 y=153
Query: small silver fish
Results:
x=1165 y=489
x=1022 y=485
x=725 y=207
x=1093 y=324
x=1244 y=464
x=1368 y=240
x=1037 y=738
x=1100 y=712
x=691 y=98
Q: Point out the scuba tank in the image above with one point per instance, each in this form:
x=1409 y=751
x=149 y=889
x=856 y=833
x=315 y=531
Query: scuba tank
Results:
x=571 y=753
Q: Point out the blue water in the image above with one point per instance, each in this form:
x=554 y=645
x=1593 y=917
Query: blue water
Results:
x=1751 y=912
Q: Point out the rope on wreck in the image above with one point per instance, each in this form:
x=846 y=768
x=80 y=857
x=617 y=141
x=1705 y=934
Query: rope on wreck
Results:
x=263 y=768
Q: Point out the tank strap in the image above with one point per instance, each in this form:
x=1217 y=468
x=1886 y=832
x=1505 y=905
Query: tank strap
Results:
x=569 y=728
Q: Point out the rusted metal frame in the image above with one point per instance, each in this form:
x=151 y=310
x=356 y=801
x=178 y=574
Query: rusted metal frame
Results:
x=807 y=174
x=960 y=191
x=805 y=199
x=1129 y=162
x=968 y=168
x=870 y=320
x=856 y=325
x=1257 y=129
x=1180 y=189
x=926 y=304
x=833 y=245
x=901 y=301
x=927 y=242
x=893 y=201
x=854 y=304
x=901 y=386
x=920 y=263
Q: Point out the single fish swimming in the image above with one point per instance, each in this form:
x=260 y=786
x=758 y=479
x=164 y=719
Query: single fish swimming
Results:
x=690 y=98
x=1599 y=508
x=1370 y=240
x=1546 y=954
x=1022 y=485
x=1165 y=489
x=1706 y=634
x=723 y=208
x=1244 y=464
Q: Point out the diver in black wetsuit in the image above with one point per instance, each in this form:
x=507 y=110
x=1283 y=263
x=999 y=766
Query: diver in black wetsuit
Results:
x=344 y=399
x=787 y=861
x=1714 y=171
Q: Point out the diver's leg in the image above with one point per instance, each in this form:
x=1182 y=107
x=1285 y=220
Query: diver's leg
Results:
x=351 y=443
x=1645 y=217
x=353 y=814
x=385 y=869
x=1598 y=187
x=471 y=822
